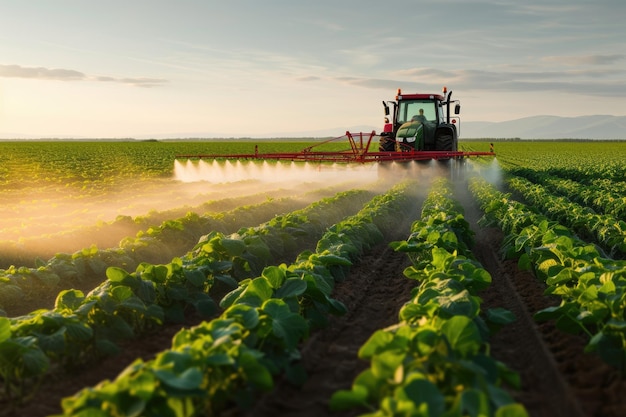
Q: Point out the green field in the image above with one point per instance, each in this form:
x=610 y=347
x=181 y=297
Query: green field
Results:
x=38 y=163
x=101 y=245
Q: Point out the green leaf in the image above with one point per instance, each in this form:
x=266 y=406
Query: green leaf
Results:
x=475 y=402
x=78 y=330
x=146 y=291
x=441 y=258
x=548 y=313
x=512 y=410
x=347 y=399
x=189 y=379
x=54 y=342
x=106 y=347
x=461 y=304
x=291 y=287
x=256 y=293
x=564 y=276
x=463 y=335
x=275 y=276
x=330 y=259
x=257 y=374
x=205 y=305
x=5 y=329
x=246 y=315
x=337 y=307
x=286 y=325
x=219 y=359
x=421 y=391
x=115 y=274
x=143 y=385
x=500 y=315
x=230 y=298
x=609 y=347
x=385 y=364
x=35 y=361
x=227 y=279
x=195 y=277
x=524 y=263
x=69 y=299
x=377 y=342
x=234 y=247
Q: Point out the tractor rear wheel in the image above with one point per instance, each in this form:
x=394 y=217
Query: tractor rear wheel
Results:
x=445 y=143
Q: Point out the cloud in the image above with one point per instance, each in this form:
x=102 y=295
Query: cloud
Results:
x=142 y=82
x=376 y=83
x=577 y=81
x=16 y=71
x=427 y=73
x=308 y=78
x=59 y=74
x=585 y=60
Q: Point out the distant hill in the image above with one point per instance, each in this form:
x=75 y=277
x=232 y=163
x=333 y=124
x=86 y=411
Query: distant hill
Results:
x=535 y=127
x=549 y=127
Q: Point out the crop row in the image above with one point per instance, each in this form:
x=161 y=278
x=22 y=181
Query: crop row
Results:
x=64 y=270
x=156 y=244
x=606 y=230
x=231 y=359
x=81 y=327
x=599 y=194
x=582 y=161
x=65 y=233
x=612 y=170
x=591 y=286
x=436 y=360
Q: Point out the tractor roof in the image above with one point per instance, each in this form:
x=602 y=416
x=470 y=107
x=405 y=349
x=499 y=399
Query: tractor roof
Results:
x=420 y=97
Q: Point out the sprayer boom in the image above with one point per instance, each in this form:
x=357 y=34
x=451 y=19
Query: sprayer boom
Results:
x=357 y=152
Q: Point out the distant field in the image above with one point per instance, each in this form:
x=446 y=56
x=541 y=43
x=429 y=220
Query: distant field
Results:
x=94 y=166
x=105 y=162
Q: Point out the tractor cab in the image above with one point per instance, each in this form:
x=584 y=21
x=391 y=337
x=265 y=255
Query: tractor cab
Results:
x=438 y=130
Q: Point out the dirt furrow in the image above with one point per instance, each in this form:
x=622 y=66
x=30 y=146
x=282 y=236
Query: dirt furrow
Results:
x=373 y=294
x=558 y=378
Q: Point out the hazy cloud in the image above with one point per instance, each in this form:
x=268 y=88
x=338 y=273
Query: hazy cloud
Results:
x=16 y=71
x=59 y=74
x=308 y=78
x=375 y=83
x=586 y=60
x=426 y=73
x=142 y=82
x=587 y=82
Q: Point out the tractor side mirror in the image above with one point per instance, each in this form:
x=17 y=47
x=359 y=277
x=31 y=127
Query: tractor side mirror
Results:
x=386 y=108
x=457 y=109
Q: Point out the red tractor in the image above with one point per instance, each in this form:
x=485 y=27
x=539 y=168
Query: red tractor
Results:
x=420 y=122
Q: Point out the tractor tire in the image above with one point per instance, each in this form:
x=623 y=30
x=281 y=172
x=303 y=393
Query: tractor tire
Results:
x=445 y=143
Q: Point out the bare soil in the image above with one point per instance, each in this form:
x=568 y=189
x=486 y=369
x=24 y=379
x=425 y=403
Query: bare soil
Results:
x=558 y=379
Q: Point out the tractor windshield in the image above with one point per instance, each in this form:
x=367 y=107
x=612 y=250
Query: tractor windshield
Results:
x=409 y=108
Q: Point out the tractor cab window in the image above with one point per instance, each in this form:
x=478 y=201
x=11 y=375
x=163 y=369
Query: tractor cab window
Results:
x=425 y=110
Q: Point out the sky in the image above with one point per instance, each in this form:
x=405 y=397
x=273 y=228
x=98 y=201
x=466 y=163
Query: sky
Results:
x=182 y=68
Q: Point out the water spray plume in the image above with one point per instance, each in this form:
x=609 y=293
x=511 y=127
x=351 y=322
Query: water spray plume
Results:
x=227 y=171
x=493 y=173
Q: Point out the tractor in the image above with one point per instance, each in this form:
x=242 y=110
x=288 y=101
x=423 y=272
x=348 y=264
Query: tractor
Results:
x=418 y=127
x=420 y=122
